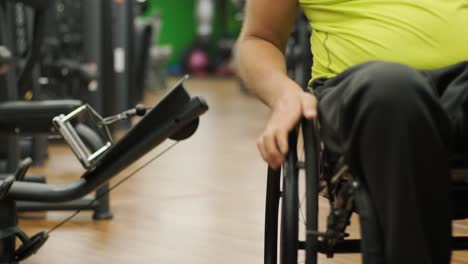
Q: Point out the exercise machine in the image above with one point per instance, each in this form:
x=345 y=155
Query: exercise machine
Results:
x=18 y=77
x=175 y=117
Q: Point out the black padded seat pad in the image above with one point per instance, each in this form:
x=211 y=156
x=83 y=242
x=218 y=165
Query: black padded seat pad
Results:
x=31 y=117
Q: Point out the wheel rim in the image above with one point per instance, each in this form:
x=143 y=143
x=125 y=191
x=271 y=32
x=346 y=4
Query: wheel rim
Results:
x=289 y=243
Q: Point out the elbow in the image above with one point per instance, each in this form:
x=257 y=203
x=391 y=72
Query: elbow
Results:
x=271 y=39
x=237 y=57
x=247 y=45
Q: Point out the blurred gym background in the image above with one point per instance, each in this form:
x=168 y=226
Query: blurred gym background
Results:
x=203 y=201
x=113 y=55
x=90 y=50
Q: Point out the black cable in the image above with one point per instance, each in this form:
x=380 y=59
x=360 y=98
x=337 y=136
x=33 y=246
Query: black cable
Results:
x=112 y=187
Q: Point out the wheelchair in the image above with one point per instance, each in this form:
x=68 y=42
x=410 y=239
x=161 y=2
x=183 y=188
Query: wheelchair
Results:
x=292 y=232
x=291 y=218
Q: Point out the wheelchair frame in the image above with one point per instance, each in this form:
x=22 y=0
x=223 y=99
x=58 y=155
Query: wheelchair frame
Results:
x=329 y=242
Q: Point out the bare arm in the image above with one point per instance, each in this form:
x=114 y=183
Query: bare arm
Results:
x=261 y=64
x=261 y=47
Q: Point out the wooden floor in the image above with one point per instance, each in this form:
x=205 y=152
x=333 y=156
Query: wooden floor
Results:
x=201 y=203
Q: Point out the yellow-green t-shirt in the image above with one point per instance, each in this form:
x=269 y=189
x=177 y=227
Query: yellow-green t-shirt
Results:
x=424 y=34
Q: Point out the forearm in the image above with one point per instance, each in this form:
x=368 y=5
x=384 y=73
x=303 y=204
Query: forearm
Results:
x=261 y=65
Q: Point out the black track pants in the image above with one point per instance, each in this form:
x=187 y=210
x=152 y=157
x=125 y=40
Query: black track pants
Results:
x=396 y=126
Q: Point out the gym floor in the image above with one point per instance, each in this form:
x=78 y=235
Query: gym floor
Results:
x=201 y=203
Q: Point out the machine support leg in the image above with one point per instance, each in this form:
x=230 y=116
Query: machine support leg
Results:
x=7 y=220
x=102 y=210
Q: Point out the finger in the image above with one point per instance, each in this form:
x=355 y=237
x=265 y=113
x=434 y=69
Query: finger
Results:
x=309 y=106
x=261 y=148
x=282 y=141
x=273 y=155
x=263 y=152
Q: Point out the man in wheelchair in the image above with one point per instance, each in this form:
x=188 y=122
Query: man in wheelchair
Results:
x=390 y=81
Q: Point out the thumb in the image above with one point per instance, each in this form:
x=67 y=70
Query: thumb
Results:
x=309 y=106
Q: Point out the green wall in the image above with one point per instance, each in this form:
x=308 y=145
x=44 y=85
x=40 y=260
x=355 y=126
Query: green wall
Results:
x=179 y=29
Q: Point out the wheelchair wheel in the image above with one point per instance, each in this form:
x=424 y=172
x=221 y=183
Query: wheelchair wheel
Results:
x=312 y=174
x=290 y=208
x=288 y=242
x=289 y=225
x=271 y=216
x=299 y=230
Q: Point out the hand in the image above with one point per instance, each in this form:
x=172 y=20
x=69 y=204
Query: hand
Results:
x=286 y=113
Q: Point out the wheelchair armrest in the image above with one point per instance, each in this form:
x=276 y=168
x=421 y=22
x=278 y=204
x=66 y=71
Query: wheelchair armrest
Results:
x=32 y=117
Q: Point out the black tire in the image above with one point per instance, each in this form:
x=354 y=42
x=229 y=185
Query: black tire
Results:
x=271 y=216
x=289 y=240
x=312 y=172
x=289 y=225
